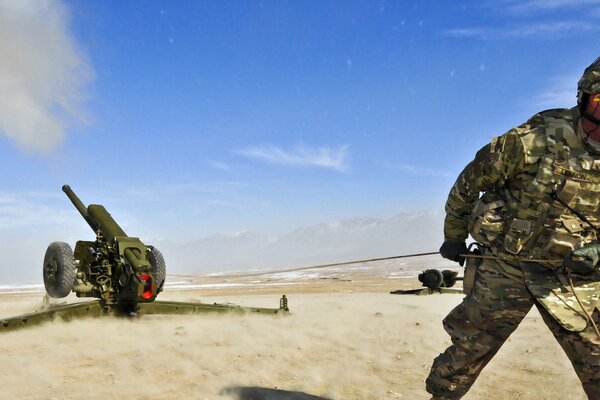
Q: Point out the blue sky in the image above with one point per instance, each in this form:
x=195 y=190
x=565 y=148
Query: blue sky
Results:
x=188 y=119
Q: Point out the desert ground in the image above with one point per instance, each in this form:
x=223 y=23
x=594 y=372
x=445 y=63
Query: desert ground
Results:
x=347 y=338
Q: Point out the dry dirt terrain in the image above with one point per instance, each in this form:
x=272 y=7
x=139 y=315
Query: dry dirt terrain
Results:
x=347 y=339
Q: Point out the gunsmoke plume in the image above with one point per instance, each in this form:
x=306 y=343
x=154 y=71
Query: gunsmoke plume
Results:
x=42 y=73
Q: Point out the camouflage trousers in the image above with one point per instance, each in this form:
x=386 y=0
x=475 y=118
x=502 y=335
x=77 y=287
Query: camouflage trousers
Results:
x=485 y=319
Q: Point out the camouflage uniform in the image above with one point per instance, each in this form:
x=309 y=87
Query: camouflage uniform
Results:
x=517 y=219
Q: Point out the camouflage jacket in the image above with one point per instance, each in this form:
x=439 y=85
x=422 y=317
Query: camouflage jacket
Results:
x=516 y=216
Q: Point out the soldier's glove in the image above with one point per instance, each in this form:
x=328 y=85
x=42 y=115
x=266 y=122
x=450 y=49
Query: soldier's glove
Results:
x=452 y=248
x=584 y=260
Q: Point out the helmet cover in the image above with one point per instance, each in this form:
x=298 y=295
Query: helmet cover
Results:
x=590 y=80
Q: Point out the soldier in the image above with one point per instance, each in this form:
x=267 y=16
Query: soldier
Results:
x=537 y=222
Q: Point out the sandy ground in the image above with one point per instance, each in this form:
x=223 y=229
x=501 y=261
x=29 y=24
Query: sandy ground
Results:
x=346 y=339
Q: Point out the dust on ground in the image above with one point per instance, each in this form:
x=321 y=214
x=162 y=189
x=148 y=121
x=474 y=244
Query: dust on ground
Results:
x=346 y=340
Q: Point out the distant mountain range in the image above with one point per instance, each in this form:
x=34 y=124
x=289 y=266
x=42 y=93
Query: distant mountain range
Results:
x=350 y=239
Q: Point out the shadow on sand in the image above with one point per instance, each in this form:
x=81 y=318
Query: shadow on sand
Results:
x=258 y=393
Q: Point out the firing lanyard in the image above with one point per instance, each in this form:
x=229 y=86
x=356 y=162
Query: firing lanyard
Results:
x=274 y=270
x=468 y=255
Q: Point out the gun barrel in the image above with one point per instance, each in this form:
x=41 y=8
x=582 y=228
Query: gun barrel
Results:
x=79 y=206
x=102 y=218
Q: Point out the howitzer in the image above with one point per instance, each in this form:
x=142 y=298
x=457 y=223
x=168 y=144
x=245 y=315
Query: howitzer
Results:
x=124 y=274
x=117 y=269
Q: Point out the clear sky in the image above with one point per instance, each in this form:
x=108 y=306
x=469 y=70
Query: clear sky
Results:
x=190 y=118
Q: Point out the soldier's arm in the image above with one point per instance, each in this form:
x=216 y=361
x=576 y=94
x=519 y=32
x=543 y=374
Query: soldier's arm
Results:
x=493 y=166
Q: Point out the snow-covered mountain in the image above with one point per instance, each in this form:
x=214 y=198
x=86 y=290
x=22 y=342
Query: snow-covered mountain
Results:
x=350 y=239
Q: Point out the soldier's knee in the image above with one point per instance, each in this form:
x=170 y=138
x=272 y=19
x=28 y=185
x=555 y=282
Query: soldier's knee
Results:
x=455 y=319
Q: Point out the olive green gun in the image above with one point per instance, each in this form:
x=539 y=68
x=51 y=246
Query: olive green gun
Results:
x=117 y=269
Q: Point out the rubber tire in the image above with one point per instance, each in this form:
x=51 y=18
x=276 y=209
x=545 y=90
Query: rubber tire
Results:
x=432 y=278
x=159 y=269
x=65 y=272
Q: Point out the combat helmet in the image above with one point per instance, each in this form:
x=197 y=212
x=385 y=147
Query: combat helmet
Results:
x=588 y=84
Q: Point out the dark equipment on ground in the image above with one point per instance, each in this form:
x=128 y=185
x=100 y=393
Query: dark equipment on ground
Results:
x=123 y=273
x=435 y=281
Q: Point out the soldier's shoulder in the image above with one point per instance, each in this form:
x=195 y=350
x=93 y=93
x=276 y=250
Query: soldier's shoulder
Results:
x=562 y=113
x=530 y=137
x=547 y=122
x=537 y=122
x=528 y=131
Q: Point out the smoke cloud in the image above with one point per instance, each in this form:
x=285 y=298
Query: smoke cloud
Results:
x=42 y=73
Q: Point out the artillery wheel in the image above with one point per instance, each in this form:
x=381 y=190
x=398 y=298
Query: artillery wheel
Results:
x=159 y=269
x=431 y=278
x=59 y=269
